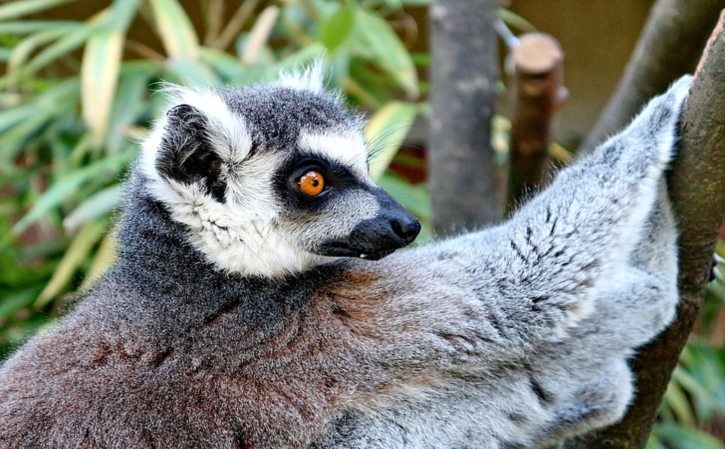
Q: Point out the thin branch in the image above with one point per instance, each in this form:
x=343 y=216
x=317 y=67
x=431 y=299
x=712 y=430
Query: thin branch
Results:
x=214 y=13
x=235 y=24
x=144 y=50
x=671 y=41
x=259 y=34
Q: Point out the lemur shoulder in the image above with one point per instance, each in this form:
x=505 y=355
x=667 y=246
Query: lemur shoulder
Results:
x=257 y=303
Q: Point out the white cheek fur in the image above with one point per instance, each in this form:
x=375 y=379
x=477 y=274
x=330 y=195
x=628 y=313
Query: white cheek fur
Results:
x=347 y=148
x=244 y=234
x=241 y=235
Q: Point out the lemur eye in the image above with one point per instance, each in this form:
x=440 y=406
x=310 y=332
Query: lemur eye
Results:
x=312 y=183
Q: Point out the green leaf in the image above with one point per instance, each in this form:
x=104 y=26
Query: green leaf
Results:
x=256 y=43
x=229 y=67
x=27 y=46
x=131 y=101
x=654 y=443
x=33 y=26
x=701 y=397
x=385 y=133
x=176 y=30
x=676 y=399
x=97 y=205
x=99 y=75
x=17 y=300
x=66 y=44
x=60 y=191
x=60 y=93
x=679 y=437
x=24 y=7
x=100 y=67
x=191 y=71
x=412 y=197
x=78 y=251
x=20 y=124
x=337 y=27
x=375 y=40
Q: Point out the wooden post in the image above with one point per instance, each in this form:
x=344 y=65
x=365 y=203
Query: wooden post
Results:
x=538 y=92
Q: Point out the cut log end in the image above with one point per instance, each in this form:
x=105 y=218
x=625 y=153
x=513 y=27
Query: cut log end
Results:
x=537 y=53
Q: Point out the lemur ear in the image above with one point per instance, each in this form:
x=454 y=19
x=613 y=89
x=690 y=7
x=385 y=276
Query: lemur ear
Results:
x=186 y=153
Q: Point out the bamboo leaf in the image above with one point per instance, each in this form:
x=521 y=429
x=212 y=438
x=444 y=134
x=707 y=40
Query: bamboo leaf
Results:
x=683 y=438
x=130 y=102
x=228 y=67
x=16 y=301
x=22 y=51
x=191 y=71
x=18 y=128
x=336 y=28
x=97 y=205
x=385 y=133
x=59 y=192
x=24 y=7
x=676 y=399
x=77 y=252
x=176 y=30
x=100 y=67
x=259 y=34
x=412 y=197
x=99 y=76
x=654 y=443
x=376 y=40
x=51 y=98
x=67 y=43
x=34 y=26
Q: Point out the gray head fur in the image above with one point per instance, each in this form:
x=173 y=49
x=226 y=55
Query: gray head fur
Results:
x=225 y=163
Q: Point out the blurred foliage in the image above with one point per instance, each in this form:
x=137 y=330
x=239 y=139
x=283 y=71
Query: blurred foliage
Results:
x=77 y=95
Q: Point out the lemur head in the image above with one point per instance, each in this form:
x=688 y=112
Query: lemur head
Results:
x=271 y=179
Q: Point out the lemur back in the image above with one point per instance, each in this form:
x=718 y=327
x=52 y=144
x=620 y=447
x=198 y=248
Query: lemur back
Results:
x=243 y=311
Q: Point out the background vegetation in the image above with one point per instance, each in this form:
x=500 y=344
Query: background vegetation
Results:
x=77 y=96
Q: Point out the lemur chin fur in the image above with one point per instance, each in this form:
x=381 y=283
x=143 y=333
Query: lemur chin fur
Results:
x=242 y=312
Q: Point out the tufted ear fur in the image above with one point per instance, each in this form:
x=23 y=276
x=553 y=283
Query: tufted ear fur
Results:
x=186 y=153
x=310 y=79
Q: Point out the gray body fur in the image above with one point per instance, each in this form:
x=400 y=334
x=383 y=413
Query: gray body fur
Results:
x=512 y=337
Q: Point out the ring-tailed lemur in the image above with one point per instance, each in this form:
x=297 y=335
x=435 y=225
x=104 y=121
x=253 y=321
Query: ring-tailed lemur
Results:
x=240 y=315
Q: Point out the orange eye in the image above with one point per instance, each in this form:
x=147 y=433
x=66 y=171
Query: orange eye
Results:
x=312 y=183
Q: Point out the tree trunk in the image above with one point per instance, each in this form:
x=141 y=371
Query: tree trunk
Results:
x=538 y=92
x=671 y=41
x=464 y=72
x=697 y=189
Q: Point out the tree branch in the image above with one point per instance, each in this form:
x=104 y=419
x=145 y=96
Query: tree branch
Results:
x=538 y=91
x=672 y=38
x=697 y=190
x=464 y=72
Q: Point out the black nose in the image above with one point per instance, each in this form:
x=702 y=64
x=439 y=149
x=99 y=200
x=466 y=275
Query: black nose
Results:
x=406 y=229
